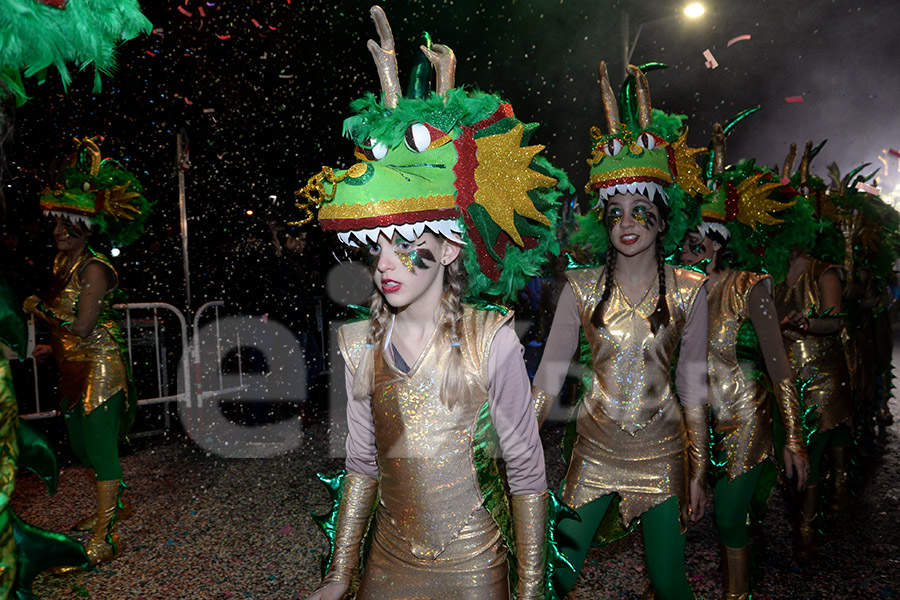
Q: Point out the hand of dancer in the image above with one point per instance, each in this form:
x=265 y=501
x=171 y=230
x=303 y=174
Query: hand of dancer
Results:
x=335 y=591
x=31 y=305
x=42 y=352
x=795 y=320
x=698 y=501
x=796 y=465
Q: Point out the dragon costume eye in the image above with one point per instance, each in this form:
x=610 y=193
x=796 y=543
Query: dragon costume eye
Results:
x=418 y=138
x=86 y=186
x=613 y=147
x=647 y=140
x=804 y=190
x=374 y=150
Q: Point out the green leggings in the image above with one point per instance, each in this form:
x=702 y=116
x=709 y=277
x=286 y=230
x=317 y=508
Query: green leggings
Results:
x=663 y=546
x=819 y=442
x=95 y=438
x=732 y=503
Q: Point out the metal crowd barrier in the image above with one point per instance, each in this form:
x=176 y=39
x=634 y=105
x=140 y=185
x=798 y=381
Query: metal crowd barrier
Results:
x=190 y=388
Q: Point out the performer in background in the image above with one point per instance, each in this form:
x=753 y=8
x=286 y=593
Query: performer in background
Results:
x=95 y=197
x=745 y=346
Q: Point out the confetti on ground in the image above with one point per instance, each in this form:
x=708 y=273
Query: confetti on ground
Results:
x=737 y=39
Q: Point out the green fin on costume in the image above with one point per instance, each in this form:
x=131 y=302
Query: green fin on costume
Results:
x=38 y=550
x=557 y=511
x=328 y=521
x=36 y=455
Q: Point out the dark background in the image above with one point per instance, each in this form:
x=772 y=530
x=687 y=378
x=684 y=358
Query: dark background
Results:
x=263 y=109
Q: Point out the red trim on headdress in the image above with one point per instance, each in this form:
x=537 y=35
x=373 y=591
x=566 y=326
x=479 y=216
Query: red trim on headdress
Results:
x=385 y=220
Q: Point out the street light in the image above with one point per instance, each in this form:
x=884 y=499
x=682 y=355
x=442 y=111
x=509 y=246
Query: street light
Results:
x=691 y=11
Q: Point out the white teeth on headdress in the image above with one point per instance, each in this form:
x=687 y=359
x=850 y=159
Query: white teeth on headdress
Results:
x=82 y=220
x=409 y=231
x=707 y=226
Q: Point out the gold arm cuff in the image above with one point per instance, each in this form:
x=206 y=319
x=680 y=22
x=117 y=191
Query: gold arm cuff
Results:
x=696 y=424
x=788 y=400
x=543 y=402
x=358 y=497
x=530 y=530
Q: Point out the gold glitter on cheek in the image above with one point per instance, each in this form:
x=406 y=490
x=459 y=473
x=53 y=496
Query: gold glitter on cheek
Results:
x=406 y=261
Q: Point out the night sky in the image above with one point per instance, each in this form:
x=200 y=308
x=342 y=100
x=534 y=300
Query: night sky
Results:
x=261 y=89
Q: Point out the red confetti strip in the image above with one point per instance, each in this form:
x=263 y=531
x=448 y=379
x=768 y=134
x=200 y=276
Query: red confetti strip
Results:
x=201 y=11
x=737 y=39
x=894 y=152
x=792 y=99
x=223 y=37
x=255 y=22
x=185 y=12
x=150 y=53
x=188 y=102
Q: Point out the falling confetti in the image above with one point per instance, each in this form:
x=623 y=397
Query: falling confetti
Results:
x=711 y=62
x=869 y=189
x=793 y=99
x=737 y=39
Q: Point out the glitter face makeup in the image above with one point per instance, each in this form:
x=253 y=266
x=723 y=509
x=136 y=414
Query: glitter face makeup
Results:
x=402 y=269
x=633 y=222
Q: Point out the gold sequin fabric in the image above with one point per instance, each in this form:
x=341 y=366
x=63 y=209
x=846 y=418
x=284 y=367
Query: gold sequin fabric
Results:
x=816 y=359
x=91 y=369
x=9 y=456
x=432 y=536
x=631 y=436
x=742 y=414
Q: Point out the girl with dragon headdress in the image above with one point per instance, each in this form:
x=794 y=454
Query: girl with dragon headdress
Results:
x=95 y=197
x=745 y=345
x=636 y=438
x=809 y=303
x=450 y=203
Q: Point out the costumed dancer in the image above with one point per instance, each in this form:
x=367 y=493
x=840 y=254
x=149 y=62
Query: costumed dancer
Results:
x=25 y=550
x=870 y=231
x=95 y=197
x=808 y=302
x=450 y=203
x=636 y=438
x=744 y=345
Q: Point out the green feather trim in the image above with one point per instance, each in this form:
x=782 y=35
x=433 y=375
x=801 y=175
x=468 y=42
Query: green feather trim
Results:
x=373 y=120
x=35 y=37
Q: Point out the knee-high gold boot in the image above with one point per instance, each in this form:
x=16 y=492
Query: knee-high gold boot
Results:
x=736 y=572
x=840 y=470
x=90 y=521
x=104 y=543
x=806 y=528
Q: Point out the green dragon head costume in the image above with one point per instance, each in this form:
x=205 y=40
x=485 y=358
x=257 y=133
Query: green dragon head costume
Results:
x=100 y=194
x=453 y=162
x=644 y=151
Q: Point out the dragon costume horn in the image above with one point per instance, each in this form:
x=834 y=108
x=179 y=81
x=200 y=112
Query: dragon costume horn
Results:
x=789 y=160
x=644 y=114
x=610 y=107
x=385 y=58
x=804 y=162
x=444 y=62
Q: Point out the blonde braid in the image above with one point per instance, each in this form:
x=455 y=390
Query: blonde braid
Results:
x=455 y=386
x=379 y=321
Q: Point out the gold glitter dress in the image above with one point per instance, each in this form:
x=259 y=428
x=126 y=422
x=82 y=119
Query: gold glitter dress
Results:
x=433 y=538
x=742 y=414
x=817 y=359
x=631 y=433
x=91 y=369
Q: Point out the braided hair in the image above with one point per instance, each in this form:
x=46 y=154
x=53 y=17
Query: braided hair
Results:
x=660 y=316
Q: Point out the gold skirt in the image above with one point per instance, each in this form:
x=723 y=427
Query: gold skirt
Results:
x=471 y=567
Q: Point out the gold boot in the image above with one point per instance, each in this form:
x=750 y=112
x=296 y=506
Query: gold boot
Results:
x=89 y=522
x=806 y=528
x=104 y=543
x=736 y=572
x=840 y=468
x=649 y=593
